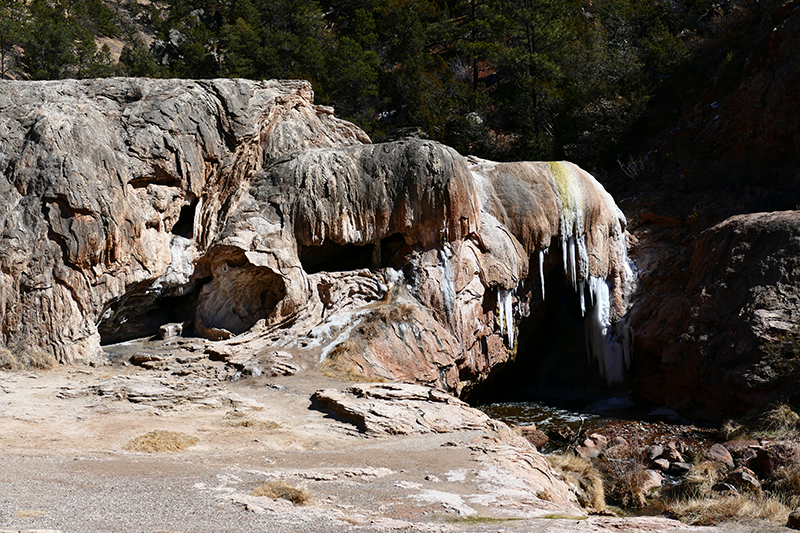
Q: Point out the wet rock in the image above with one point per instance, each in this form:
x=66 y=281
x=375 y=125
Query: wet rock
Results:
x=679 y=468
x=720 y=454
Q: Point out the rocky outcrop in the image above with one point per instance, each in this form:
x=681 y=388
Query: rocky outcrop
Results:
x=727 y=342
x=259 y=221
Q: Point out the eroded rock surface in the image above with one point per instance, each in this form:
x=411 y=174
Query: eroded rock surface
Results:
x=241 y=212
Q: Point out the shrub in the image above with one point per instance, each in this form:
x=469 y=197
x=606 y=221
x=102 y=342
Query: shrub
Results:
x=160 y=441
x=626 y=475
x=282 y=490
x=781 y=423
x=581 y=475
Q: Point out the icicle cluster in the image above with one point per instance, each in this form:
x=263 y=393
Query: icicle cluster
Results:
x=603 y=343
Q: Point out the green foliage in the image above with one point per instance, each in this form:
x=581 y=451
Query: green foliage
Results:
x=511 y=79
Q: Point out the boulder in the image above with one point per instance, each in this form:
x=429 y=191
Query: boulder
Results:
x=720 y=454
x=399 y=409
x=717 y=340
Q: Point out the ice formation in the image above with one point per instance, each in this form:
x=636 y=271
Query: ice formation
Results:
x=603 y=343
x=506 y=313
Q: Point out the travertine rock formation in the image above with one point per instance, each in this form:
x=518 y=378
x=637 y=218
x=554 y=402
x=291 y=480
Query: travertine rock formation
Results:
x=263 y=223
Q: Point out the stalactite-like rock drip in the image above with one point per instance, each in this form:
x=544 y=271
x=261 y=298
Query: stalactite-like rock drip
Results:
x=263 y=222
x=534 y=210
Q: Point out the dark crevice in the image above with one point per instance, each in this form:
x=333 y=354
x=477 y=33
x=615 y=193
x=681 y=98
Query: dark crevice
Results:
x=139 y=313
x=184 y=227
x=334 y=257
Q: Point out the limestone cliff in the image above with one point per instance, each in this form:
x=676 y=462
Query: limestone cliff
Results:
x=261 y=221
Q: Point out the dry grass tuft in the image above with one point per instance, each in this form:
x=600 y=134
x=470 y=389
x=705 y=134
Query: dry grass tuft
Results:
x=701 y=478
x=282 y=490
x=782 y=423
x=238 y=419
x=787 y=485
x=731 y=430
x=583 y=476
x=717 y=509
x=626 y=475
x=160 y=441
x=339 y=364
x=25 y=359
x=29 y=513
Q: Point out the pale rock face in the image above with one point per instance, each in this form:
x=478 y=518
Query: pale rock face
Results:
x=261 y=222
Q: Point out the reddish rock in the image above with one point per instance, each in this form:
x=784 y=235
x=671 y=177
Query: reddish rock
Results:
x=744 y=479
x=704 y=339
x=661 y=464
x=720 y=454
x=593 y=446
x=775 y=455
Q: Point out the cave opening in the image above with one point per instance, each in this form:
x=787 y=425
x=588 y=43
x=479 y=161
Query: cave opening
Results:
x=334 y=257
x=140 y=313
x=184 y=227
x=553 y=364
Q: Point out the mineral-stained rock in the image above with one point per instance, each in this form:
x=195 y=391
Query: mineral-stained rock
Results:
x=261 y=222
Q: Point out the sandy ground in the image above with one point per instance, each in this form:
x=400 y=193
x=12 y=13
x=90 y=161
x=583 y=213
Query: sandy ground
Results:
x=65 y=467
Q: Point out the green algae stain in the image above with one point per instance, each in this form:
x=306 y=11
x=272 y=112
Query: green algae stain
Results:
x=565 y=184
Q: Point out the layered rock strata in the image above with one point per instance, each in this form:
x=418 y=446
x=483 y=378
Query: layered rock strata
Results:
x=262 y=222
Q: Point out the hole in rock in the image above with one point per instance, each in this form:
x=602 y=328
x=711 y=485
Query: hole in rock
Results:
x=553 y=365
x=139 y=313
x=185 y=224
x=334 y=257
x=240 y=295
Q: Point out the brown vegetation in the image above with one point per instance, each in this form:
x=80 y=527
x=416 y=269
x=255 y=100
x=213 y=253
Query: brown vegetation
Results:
x=161 y=441
x=282 y=490
x=27 y=358
x=584 y=477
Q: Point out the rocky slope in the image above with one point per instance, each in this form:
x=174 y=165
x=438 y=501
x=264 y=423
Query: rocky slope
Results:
x=259 y=221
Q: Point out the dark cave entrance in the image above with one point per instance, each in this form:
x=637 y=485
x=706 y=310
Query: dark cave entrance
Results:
x=553 y=364
x=139 y=313
x=334 y=257
x=184 y=227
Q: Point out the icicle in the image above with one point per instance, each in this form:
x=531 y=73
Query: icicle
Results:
x=581 y=290
x=509 y=318
x=505 y=314
x=448 y=282
x=541 y=270
x=605 y=348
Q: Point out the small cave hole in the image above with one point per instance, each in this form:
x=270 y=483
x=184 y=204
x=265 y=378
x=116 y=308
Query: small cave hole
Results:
x=139 y=314
x=334 y=257
x=184 y=227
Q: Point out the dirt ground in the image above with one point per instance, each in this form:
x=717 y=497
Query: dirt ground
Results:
x=65 y=467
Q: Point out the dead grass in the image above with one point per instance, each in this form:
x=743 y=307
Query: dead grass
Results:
x=161 y=441
x=701 y=478
x=238 y=419
x=25 y=359
x=717 y=509
x=29 y=513
x=781 y=423
x=339 y=364
x=282 y=490
x=583 y=476
x=371 y=325
x=626 y=476
x=787 y=485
